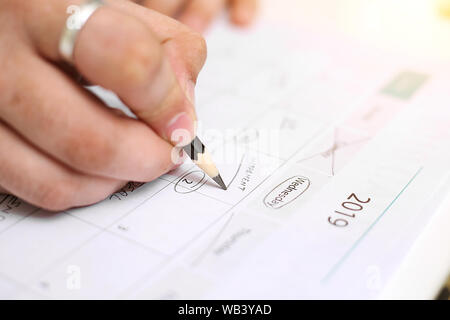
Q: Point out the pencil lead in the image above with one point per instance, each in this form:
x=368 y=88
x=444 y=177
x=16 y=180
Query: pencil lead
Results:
x=219 y=181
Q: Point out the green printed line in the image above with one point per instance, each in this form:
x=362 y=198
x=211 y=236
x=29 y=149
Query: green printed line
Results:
x=353 y=247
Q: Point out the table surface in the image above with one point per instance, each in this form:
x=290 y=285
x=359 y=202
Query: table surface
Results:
x=418 y=29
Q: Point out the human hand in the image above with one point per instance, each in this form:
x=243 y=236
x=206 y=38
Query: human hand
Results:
x=198 y=14
x=60 y=147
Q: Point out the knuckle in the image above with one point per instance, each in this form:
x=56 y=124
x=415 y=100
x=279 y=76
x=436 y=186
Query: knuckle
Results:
x=90 y=150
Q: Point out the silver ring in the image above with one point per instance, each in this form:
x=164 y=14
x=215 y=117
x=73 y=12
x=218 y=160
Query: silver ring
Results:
x=79 y=15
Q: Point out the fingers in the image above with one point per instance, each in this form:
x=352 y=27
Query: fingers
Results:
x=167 y=7
x=3 y=191
x=133 y=59
x=137 y=68
x=43 y=182
x=243 y=12
x=198 y=14
x=65 y=122
x=186 y=49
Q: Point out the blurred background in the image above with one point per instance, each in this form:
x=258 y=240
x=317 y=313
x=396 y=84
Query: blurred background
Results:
x=418 y=28
x=414 y=28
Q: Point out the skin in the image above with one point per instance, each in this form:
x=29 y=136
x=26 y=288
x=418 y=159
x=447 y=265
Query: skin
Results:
x=60 y=147
x=198 y=14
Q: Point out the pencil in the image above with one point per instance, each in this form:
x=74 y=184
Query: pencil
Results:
x=200 y=156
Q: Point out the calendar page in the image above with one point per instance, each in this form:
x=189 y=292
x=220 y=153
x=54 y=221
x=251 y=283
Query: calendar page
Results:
x=335 y=156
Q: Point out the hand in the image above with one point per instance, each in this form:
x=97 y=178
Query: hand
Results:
x=198 y=14
x=60 y=147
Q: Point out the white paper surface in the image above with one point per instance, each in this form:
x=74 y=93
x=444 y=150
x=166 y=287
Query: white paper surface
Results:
x=302 y=127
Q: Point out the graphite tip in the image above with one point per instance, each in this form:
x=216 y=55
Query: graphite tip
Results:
x=219 y=181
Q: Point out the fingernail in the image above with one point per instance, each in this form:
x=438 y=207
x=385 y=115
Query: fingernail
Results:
x=180 y=130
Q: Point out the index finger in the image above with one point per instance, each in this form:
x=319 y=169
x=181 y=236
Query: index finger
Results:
x=131 y=60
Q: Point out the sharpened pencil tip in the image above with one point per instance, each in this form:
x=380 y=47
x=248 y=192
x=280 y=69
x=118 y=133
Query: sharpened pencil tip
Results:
x=220 y=182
